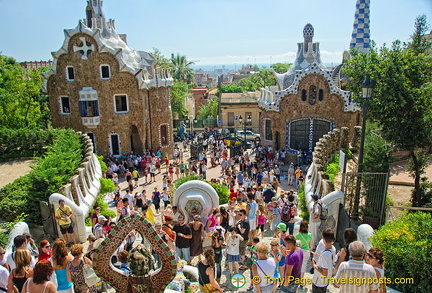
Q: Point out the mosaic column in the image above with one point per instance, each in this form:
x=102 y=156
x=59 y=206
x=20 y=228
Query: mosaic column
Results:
x=361 y=32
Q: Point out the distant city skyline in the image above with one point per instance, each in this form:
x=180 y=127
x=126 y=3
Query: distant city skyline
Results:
x=219 y=33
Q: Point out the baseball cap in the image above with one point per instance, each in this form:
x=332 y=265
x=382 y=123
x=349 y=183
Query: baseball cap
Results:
x=282 y=226
x=102 y=218
x=314 y=196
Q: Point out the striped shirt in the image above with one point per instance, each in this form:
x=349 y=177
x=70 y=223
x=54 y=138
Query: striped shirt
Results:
x=355 y=276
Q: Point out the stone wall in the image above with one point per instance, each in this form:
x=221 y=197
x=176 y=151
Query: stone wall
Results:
x=82 y=190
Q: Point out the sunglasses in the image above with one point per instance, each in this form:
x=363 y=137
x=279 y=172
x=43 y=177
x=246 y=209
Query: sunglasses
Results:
x=2 y=253
x=370 y=256
x=48 y=246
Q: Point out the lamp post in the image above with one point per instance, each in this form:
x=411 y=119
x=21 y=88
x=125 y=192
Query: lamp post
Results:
x=367 y=86
x=247 y=122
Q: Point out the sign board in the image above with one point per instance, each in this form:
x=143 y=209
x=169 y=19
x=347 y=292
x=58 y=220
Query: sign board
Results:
x=342 y=160
x=236 y=117
x=220 y=121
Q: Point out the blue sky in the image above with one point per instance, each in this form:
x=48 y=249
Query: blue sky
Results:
x=209 y=31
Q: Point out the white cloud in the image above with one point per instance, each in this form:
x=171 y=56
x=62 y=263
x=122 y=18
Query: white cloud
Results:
x=326 y=57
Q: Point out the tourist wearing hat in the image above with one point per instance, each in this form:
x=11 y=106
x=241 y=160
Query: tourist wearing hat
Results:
x=99 y=231
x=282 y=229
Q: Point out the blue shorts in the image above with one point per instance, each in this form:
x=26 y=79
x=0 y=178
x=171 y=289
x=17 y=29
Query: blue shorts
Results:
x=232 y=258
x=183 y=253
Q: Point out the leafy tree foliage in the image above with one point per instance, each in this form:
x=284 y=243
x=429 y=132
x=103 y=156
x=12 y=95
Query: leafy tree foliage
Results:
x=179 y=91
x=181 y=70
x=231 y=88
x=211 y=109
x=281 y=67
x=21 y=102
x=402 y=96
x=252 y=83
x=161 y=61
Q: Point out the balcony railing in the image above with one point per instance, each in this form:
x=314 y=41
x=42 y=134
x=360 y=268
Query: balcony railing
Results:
x=91 y=122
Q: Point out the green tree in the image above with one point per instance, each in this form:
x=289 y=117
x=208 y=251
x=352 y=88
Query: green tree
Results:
x=281 y=67
x=211 y=109
x=21 y=101
x=178 y=92
x=419 y=44
x=258 y=80
x=231 y=88
x=161 y=61
x=402 y=97
x=181 y=70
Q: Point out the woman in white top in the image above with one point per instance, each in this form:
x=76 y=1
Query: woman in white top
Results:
x=233 y=250
x=264 y=267
x=375 y=257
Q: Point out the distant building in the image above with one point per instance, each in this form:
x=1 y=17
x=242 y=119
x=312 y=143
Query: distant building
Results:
x=33 y=65
x=101 y=86
x=200 y=97
x=234 y=105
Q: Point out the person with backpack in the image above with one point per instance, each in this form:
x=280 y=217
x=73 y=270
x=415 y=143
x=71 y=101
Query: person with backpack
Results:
x=289 y=211
x=320 y=210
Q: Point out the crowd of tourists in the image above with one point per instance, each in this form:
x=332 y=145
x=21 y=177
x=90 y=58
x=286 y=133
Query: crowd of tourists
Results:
x=233 y=234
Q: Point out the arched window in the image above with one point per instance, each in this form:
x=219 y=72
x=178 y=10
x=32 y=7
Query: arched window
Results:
x=321 y=95
x=304 y=95
x=312 y=95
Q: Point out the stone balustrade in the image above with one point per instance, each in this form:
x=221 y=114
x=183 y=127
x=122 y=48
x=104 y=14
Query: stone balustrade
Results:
x=317 y=180
x=81 y=192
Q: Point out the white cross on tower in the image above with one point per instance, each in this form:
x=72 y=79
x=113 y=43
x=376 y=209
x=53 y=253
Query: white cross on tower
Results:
x=84 y=48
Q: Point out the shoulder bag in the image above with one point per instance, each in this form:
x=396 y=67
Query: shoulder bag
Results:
x=90 y=276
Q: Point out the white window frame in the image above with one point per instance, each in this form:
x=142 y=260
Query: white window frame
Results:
x=109 y=72
x=67 y=73
x=61 y=105
x=115 y=104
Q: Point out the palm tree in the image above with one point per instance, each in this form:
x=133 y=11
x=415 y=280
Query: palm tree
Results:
x=181 y=69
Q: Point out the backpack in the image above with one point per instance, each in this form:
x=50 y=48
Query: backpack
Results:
x=288 y=212
x=324 y=210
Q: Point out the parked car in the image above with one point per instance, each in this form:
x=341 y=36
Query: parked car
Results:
x=236 y=140
x=249 y=134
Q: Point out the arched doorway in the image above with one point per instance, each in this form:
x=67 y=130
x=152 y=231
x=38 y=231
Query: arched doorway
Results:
x=303 y=133
x=135 y=141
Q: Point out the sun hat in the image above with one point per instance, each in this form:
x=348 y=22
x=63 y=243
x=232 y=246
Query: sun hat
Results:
x=282 y=226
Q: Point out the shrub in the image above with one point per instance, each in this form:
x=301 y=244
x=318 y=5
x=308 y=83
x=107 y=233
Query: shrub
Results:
x=19 y=143
x=333 y=169
x=186 y=178
x=6 y=227
x=51 y=171
x=221 y=190
x=302 y=203
x=407 y=244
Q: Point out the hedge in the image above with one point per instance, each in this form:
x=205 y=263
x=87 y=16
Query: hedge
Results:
x=407 y=247
x=19 y=143
x=60 y=160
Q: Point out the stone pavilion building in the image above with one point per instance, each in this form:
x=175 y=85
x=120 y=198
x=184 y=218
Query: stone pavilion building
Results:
x=101 y=86
x=307 y=103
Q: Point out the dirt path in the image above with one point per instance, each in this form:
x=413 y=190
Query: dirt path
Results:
x=9 y=171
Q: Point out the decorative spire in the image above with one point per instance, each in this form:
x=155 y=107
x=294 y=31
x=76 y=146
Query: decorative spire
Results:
x=361 y=32
x=95 y=14
x=308 y=34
